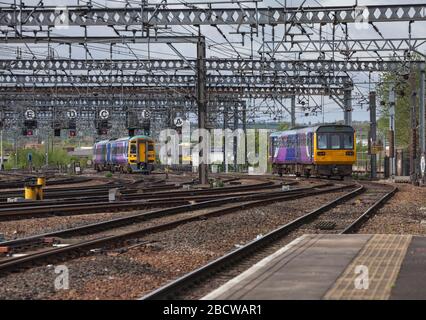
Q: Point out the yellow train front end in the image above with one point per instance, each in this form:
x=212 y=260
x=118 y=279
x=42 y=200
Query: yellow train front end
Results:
x=141 y=154
x=334 y=150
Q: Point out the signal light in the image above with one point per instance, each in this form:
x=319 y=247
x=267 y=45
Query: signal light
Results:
x=73 y=133
x=102 y=132
x=27 y=132
x=131 y=132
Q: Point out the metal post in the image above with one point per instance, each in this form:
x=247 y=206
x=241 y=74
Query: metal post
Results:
x=392 y=158
x=413 y=140
x=348 y=106
x=47 y=149
x=1 y=148
x=422 y=124
x=15 y=142
x=225 y=126
x=373 y=135
x=293 y=111
x=202 y=105
x=235 y=138
x=244 y=120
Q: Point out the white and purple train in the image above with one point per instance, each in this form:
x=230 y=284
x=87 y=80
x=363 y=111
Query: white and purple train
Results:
x=131 y=154
x=327 y=150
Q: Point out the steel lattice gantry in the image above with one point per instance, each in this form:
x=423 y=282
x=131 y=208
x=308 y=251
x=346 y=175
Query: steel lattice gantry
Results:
x=178 y=80
x=242 y=92
x=157 y=16
x=309 y=45
x=234 y=65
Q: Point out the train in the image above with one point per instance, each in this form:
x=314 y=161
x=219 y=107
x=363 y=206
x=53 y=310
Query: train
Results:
x=326 y=151
x=126 y=155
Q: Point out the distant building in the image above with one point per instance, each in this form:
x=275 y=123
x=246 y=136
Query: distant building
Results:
x=33 y=145
x=82 y=153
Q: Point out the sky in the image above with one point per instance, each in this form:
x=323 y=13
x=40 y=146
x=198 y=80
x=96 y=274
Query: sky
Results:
x=332 y=111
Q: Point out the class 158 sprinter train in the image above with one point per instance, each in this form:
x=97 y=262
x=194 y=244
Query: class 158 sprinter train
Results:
x=127 y=155
x=328 y=150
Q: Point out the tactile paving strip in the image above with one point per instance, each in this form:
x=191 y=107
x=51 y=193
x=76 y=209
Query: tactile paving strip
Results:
x=382 y=256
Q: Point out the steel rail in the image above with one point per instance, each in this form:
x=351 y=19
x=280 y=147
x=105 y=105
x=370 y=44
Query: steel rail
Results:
x=160 y=191
x=181 y=284
x=353 y=227
x=158 y=213
x=170 y=290
x=103 y=241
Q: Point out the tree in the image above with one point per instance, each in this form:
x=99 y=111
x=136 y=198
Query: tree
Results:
x=57 y=156
x=402 y=107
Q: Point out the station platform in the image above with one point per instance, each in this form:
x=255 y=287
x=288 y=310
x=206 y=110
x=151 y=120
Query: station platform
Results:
x=335 y=267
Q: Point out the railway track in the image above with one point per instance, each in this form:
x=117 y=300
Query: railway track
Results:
x=101 y=191
x=14 y=184
x=73 y=245
x=205 y=279
x=130 y=201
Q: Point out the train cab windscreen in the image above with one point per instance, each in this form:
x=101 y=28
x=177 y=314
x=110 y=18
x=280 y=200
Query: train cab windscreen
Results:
x=335 y=138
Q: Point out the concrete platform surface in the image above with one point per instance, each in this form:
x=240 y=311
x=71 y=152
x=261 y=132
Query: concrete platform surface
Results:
x=335 y=267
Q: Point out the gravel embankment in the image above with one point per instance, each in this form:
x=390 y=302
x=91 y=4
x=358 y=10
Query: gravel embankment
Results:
x=165 y=256
x=27 y=227
x=404 y=213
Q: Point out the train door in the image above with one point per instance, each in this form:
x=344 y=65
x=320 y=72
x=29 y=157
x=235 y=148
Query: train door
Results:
x=104 y=154
x=142 y=151
x=108 y=153
x=151 y=152
x=133 y=152
x=310 y=146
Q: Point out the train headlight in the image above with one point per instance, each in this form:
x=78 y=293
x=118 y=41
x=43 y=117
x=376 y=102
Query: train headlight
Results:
x=321 y=153
x=349 y=153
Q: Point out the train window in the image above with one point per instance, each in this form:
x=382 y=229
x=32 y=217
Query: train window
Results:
x=348 y=141
x=335 y=141
x=322 y=141
x=150 y=147
x=133 y=148
x=309 y=143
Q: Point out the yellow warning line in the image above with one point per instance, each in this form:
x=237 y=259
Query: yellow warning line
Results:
x=381 y=260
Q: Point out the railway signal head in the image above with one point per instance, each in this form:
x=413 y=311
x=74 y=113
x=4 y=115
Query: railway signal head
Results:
x=73 y=133
x=102 y=132
x=30 y=124
x=27 y=132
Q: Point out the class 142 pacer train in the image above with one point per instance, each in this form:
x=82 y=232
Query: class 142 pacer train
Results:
x=127 y=155
x=327 y=150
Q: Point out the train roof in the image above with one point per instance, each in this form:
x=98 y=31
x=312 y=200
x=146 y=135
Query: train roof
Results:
x=140 y=137
x=320 y=128
x=125 y=139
